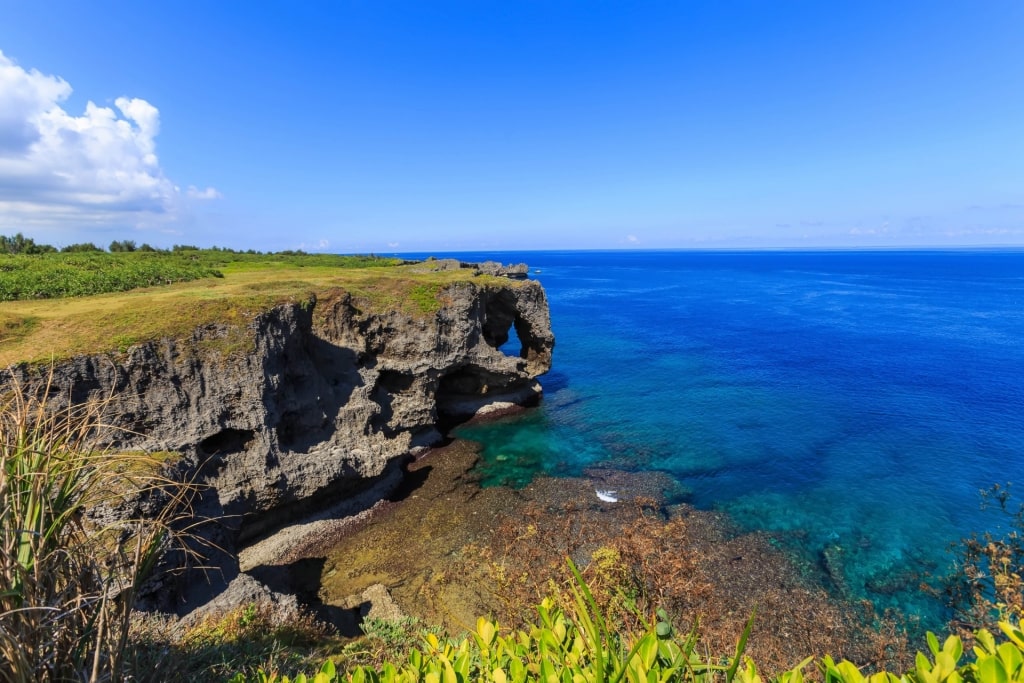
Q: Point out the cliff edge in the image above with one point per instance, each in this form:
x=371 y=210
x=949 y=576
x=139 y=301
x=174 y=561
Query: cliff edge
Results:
x=310 y=404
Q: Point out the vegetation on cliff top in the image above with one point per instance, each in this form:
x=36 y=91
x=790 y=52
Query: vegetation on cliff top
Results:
x=32 y=271
x=56 y=305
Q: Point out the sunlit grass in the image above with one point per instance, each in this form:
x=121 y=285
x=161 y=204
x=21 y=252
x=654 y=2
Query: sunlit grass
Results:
x=41 y=331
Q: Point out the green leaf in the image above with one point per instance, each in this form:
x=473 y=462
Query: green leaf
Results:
x=1011 y=657
x=1014 y=634
x=984 y=642
x=486 y=631
x=954 y=646
x=648 y=650
x=991 y=670
x=850 y=673
x=741 y=647
x=517 y=670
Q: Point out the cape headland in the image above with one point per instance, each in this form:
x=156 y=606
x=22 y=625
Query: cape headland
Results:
x=291 y=399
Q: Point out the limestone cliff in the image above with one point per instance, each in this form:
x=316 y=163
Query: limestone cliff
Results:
x=323 y=401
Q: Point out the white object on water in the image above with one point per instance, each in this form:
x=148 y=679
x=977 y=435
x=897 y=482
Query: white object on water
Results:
x=606 y=495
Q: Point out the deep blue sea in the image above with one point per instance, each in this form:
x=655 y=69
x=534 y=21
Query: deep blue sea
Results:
x=850 y=399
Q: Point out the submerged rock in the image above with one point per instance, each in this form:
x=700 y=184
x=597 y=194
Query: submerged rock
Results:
x=834 y=561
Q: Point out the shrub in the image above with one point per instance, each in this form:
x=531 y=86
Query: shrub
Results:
x=70 y=581
x=19 y=244
x=122 y=245
x=574 y=644
x=79 y=248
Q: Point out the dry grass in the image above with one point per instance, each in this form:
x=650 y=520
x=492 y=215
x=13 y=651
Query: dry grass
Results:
x=43 y=331
x=687 y=565
x=250 y=637
x=70 y=580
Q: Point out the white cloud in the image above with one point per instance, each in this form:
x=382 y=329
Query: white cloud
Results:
x=209 y=193
x=101 y=167
x=631 y=238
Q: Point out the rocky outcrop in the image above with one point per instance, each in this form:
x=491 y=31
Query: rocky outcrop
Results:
x=322 y=407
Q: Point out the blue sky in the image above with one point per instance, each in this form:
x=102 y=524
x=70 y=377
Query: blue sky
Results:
x=377 y=126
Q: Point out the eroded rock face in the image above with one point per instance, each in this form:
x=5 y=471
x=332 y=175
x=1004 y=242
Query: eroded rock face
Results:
x=324 y=407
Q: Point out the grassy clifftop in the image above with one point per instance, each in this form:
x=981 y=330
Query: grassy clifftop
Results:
x=202 y=287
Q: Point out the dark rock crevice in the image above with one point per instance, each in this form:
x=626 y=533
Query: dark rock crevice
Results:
x=321 y=412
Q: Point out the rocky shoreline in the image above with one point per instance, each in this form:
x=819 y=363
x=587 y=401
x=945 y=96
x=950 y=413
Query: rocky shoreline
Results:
x=439 y=549
x=310 y=413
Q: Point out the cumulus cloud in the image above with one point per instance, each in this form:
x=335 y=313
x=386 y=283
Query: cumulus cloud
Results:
x=99 y=167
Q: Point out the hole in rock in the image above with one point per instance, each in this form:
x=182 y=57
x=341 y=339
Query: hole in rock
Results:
x=227 y=441
x=289 y=428
x=513 y=347
x=467 y=381
x=393 y=382
x=390 y=384
x=462 y=392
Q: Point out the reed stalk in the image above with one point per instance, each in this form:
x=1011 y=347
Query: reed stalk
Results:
x=69 y=576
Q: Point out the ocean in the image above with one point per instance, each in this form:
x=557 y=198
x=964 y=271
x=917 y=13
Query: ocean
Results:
x=851 y=403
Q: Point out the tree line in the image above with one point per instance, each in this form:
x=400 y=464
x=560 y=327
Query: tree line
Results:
x=19 y=244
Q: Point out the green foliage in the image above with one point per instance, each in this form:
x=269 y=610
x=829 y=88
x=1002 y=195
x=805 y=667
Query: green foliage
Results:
x=80 y=247
x=386 y=640
x=50 y=276
x=424 y=297
x=573 y=644
x=560 y=649
x=84 y=272
x=19 y=244
x=122 y=246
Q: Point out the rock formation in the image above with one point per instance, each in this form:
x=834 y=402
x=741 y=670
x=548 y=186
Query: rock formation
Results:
x=323 y=406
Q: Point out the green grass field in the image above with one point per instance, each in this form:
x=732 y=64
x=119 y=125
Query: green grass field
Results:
x=149 y=296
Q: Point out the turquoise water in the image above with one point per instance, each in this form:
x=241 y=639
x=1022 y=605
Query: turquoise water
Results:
x=856 y=401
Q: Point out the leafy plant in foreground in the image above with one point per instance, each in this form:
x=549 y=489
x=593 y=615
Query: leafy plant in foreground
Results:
x=68 y=581
x=573 y=644
x=558 y=649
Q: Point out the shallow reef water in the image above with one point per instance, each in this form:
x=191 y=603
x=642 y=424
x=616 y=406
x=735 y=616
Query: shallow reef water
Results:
x=853 y=404
x=449 y=550
x=426 y=545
